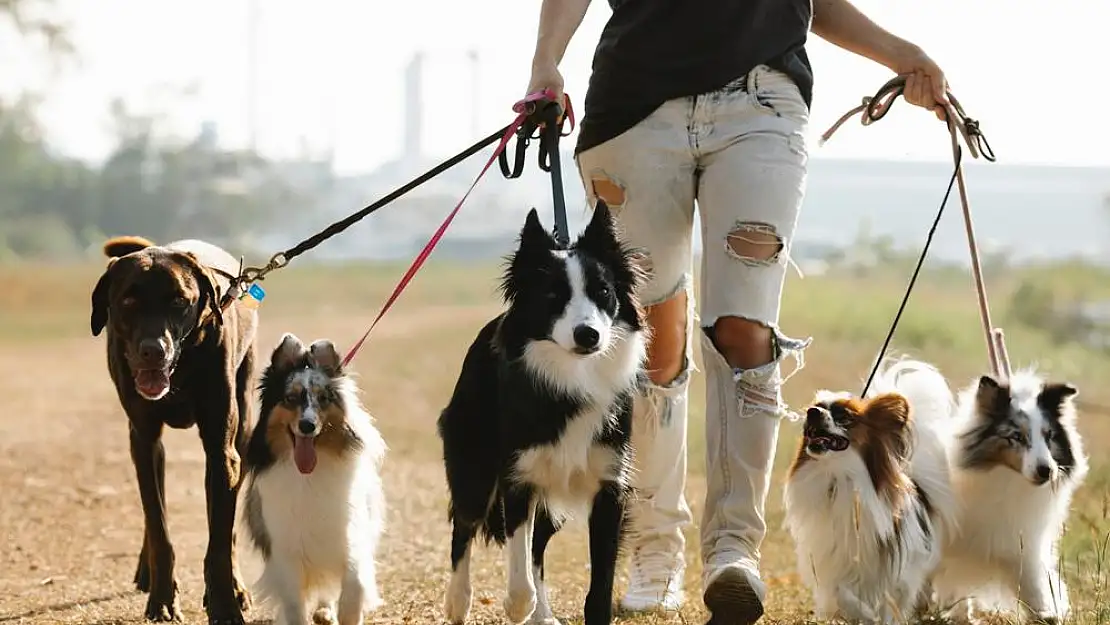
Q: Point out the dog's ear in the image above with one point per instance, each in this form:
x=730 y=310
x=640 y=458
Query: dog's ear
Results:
x=324 y=355
x=206 y=282
x=289 y=352
x=1054 y=394
x=99 y=317
x=988 y=384
x=992 y=400
x=889 y=409
x=534 y=234
x=890 y=414
x=600 y=235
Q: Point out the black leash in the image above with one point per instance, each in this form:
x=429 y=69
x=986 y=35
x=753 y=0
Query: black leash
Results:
x=546 y=124
x=281 y=259
x=913 y=277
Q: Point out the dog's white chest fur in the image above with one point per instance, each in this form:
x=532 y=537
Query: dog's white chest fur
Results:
x=307 y=516
x=568 y=473
x=319 y=523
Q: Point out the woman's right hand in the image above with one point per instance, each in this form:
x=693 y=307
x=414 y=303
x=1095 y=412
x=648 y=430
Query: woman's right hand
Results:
x=546 y=75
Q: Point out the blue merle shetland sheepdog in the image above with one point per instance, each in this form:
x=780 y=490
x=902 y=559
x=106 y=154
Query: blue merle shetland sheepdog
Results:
x=315 y=508
x=537 y=430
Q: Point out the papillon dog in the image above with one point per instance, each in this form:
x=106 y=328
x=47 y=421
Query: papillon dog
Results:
x=868 y=497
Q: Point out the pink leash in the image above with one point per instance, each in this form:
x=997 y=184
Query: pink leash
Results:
x=523 y=109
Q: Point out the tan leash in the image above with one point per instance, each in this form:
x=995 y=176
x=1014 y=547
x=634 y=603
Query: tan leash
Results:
x=874 y=108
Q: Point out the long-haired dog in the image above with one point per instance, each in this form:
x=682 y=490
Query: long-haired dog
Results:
x=868 y=497
x=315 y=507
x=539 y=423
x=1017 y=459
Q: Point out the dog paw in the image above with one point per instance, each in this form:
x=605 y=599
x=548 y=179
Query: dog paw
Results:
x=225 y=614
x=163 y=607
x=456 y=606
x=520 y=605
x=230 y=610
x=324 y=615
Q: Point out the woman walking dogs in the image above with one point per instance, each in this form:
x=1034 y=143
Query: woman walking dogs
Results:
x=708 y=100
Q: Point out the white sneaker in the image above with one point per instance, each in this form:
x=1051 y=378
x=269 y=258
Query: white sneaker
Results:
x=655 y=580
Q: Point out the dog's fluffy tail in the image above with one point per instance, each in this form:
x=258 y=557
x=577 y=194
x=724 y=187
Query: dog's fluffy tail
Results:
x=922 y=384
x=122 y=246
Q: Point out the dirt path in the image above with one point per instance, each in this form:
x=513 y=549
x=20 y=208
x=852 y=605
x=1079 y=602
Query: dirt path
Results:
x=70 y=512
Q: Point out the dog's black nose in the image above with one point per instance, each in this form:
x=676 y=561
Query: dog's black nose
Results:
x=152 y=351
x=1043 y=473
x=586 y=337
x=306 y=426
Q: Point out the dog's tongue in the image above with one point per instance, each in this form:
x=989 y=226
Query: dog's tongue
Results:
x=304 y=453
x=152 y=381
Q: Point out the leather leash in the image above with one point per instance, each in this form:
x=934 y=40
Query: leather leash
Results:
x=960 y=126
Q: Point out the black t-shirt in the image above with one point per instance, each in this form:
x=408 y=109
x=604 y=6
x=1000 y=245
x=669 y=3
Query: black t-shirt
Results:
x=652 y=51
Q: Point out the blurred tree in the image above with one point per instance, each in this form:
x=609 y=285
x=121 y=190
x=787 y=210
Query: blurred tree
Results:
x=152 y=183
x=36 y=21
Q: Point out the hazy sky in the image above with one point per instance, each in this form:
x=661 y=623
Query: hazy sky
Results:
x=1032 y=71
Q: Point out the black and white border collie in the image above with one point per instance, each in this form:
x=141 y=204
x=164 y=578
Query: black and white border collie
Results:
x=537 y=430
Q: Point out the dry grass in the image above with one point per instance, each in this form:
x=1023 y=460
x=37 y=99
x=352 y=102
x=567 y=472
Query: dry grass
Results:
x=70 y=516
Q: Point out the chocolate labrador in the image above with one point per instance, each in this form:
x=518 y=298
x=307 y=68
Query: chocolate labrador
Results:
x=179 y=358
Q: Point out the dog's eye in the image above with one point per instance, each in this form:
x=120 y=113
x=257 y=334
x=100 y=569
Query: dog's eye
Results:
x=323 y=398
x=128 y=302
x=604 y=291
x=1049 y=435
x=292 y=399
x=180 y=302
x=1016 y=438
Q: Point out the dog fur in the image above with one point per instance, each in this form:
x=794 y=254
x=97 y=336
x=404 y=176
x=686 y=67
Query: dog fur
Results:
x=538 y=427
x=176 y=360
x=315 y=507
x=868 y=498
x=1017 y=459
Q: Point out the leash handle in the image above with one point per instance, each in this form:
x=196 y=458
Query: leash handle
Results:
x=544 y=117
x=874 y=108
x=521 y=109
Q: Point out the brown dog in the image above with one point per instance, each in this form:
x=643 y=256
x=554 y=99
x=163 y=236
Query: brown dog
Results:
x=178 y=359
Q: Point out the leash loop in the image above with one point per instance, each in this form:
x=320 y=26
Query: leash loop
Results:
x=959 y=126
x=544 y=117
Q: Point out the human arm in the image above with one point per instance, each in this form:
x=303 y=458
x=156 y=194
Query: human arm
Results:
x=843 y=25
x=559 y=19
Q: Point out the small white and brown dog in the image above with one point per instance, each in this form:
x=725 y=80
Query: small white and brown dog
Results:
x=868 y=498
x=314 y=505
x=1016 y=459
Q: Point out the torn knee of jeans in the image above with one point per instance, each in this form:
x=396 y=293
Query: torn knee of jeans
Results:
x=759 y=388
x=608 y=190
x=754 y=243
